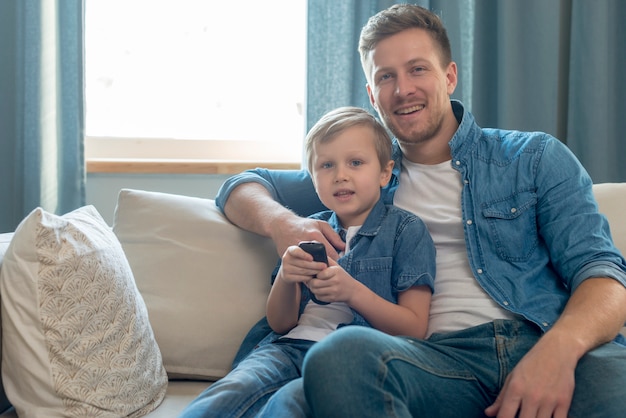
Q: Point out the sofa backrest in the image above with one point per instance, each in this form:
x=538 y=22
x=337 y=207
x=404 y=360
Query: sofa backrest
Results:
x=611 y=199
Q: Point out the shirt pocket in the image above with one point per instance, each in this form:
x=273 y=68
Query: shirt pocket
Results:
x=512 y=226
x=375 y=273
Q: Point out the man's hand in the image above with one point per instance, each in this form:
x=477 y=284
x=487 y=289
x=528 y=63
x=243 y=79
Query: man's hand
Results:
x=291 y=229
x=541 y=385
x=251 y=207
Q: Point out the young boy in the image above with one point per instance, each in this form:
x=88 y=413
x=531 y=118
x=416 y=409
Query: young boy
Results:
x=383 y=279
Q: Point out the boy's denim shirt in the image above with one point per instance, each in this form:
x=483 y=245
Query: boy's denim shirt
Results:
x=392 y=252
x=532 y=228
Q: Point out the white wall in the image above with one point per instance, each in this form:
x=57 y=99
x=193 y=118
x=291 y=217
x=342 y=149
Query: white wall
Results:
x=103 y=188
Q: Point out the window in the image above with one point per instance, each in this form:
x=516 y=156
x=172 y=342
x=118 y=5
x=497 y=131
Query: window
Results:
x=195 y=82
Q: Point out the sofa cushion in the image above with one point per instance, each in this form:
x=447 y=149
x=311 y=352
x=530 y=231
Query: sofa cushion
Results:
x=204 y=281
x=76 y=336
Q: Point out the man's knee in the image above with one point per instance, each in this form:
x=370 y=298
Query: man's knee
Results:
x=340 y=349
x=600 y=383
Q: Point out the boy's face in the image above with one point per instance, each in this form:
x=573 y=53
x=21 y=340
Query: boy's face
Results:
x=347 y=174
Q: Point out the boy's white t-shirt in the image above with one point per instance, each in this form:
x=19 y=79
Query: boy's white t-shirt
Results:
x=433 y=192
x=317 y=321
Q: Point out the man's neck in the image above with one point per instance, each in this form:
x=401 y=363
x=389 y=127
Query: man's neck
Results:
x=429 y=153
x=437 y=149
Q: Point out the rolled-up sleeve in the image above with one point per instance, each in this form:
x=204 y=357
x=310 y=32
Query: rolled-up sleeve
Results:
x=292 y=188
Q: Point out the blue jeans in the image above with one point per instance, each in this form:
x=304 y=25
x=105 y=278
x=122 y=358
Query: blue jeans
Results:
x=287 y=402
x=244 y=391
x=360 y=372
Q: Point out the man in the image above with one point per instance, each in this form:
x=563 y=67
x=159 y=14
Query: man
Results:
x=530 y=291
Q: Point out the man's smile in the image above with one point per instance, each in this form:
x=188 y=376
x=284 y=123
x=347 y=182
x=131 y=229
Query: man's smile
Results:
x=407 y=110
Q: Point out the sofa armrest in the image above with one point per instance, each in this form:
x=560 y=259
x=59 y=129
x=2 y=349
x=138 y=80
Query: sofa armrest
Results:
x=611 y=198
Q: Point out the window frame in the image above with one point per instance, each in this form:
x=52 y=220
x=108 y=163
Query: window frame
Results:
x=163 y=155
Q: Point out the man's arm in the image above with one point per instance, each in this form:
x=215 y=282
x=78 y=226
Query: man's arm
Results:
x=542 y=383
x=251 y=207
x=544 y=379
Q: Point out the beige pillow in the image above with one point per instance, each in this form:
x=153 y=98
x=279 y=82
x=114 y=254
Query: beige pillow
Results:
x=204 y=280
x=76 y=337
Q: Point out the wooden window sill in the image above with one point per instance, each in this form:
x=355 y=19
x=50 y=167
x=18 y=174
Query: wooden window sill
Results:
x=187 y=166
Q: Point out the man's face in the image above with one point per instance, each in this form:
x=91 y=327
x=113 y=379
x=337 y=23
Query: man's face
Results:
x=409 y=88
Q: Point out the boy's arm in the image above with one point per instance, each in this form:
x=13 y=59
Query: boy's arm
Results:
x=283 y=304
x=408 y=317
x=413 y=273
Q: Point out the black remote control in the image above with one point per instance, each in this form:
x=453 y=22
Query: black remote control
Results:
x=318 y=251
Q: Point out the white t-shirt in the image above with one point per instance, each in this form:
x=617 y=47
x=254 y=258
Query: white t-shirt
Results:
x=433 y=192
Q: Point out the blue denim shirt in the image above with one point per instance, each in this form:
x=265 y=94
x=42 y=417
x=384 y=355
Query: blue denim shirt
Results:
x=532 y=227
x=392 y=252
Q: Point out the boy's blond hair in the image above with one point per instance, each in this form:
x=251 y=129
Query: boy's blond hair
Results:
x=342 y=118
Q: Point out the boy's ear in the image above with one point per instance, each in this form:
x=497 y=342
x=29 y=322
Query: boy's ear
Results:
x=385 y=174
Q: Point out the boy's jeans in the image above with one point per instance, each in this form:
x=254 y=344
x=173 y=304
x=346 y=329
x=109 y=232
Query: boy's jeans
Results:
x=246 y=389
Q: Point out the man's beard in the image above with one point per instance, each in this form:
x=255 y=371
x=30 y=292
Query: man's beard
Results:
x=417 y=135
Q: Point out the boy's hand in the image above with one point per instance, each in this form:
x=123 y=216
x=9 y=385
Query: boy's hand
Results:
x=298 y=265
x=334 y=284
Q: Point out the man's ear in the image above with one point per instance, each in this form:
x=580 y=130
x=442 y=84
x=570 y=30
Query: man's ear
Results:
x=451 y=77
x=371 y=96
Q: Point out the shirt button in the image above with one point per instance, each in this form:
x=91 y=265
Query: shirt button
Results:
x=479 y=271
x=505 y=303
x=457 y=162
x=513 y=210
x=466 y=181
x=545 y=324
x=469 y=222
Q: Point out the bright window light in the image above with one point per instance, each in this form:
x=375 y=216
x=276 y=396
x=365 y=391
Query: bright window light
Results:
x=197 y=70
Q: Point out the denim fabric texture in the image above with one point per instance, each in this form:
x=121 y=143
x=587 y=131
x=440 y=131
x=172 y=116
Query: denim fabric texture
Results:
x=246 y=389
x=287 y=402
x=392 y=252
x=450 y=375
x=533 y=234
x=532 y=228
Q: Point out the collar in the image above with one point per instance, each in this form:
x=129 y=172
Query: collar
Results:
x=372 y=222
x=461 y=143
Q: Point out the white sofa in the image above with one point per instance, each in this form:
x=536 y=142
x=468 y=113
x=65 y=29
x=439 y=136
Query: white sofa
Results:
x=204 y=281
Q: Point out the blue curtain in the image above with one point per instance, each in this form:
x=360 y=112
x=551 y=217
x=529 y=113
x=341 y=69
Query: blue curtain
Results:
x=538 y=65
x=41 y=108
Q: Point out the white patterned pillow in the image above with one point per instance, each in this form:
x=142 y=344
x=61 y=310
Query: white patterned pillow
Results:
x=76 y=337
